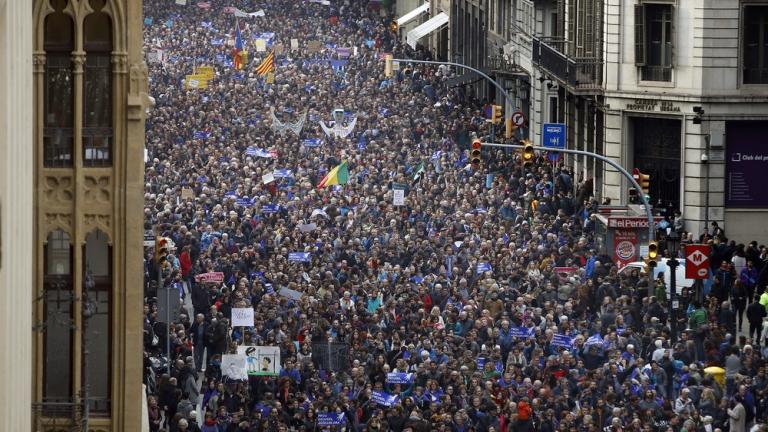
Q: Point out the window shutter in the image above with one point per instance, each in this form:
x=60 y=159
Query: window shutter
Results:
x=640 y=35
x=672 y=36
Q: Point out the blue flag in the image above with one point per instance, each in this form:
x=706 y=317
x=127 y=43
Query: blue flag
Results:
x=148 y=21
x=300 y=256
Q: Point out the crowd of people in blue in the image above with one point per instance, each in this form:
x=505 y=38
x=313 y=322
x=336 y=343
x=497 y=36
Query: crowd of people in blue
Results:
x=448 y=307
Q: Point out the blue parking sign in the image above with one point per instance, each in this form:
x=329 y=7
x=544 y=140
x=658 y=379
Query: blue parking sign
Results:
x=553 y=135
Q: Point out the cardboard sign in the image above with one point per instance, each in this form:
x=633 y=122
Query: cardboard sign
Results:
x=261 y=45
x=314 y=46
x=187 y=193
x=294 y=44
x=205 y=71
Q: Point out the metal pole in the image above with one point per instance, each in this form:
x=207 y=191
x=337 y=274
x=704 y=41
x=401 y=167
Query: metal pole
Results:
x=672 y=264
x=624 y=172
x=167 y=314
x=463 y=66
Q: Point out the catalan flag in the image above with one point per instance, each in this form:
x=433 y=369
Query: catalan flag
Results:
x=267 y=65
x=337 y=176
x=237 y=56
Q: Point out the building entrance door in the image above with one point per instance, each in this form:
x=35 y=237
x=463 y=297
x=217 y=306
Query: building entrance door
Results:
x=657 y=153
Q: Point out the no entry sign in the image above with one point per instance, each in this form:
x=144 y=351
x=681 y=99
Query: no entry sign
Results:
x=697 y=261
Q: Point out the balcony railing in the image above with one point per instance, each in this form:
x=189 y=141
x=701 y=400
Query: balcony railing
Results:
x=581 y=73
x=499 y=64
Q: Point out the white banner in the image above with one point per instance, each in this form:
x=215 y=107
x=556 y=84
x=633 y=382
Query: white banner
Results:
x=261 y=360
x=242 y=317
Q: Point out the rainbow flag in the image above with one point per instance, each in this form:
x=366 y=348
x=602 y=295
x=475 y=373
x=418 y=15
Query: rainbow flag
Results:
x=337 y=176
x=267 y=65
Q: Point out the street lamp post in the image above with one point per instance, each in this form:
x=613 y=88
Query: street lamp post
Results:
x=672 y=244
x=611 y=162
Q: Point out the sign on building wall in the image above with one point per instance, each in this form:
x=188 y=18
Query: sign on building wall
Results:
x=746 y=164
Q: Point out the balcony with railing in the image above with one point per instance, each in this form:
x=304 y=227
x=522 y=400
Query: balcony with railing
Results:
x=580 y=74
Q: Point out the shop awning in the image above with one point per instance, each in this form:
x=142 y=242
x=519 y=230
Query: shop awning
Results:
x=428 y=27
x=413 y=14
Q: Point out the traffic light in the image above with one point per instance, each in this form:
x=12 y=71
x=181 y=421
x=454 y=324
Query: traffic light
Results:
x=497 y=114
x=475 y=155
x=653 y=250
x=645 y=183
x=511 y=128
x=528 y=154
x=388 y=65
x=633 y=199
x=161 y=251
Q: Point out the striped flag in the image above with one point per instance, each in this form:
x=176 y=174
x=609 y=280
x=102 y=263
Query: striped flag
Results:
x=267 y=65
x=237 y=56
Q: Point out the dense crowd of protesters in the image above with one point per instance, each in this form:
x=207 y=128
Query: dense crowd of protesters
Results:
x=457 y=287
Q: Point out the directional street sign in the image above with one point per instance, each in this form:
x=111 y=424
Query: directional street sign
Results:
x=553 y=135
x=697 y=261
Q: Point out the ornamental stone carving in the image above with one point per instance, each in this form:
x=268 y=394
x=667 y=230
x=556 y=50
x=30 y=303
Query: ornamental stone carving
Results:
x=58 y=189
x=53 y=221
x=97 y=189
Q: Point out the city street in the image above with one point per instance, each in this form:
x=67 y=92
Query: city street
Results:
x=349 y=256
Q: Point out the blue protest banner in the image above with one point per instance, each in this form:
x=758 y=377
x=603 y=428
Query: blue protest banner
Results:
x=562 y=340
x=299 y=256
x=484 y=267
x=399 y=378
x=522 y=332
x=270 y=208
x=312 y=142
x=282 y=173
x=384 y=398
x=595 y=339
x=245 y=202
x=331 y=419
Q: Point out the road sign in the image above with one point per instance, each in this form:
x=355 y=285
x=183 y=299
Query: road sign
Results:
x=697 y=261
x=518 y=118
x=553 y=135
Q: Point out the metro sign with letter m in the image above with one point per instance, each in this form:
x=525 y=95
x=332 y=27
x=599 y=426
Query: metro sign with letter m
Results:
x=697 y=261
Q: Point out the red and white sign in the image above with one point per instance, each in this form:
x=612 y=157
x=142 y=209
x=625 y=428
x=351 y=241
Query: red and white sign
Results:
x=697 y=261
x=625 y=247
x=215 y=277
x=518 y=118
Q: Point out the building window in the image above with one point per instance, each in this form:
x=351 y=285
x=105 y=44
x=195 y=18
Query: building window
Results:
x=654 y=38
x=97 y=295
x=58 y=137
x=755 y=44
x=97 y=88
x=57 y=320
